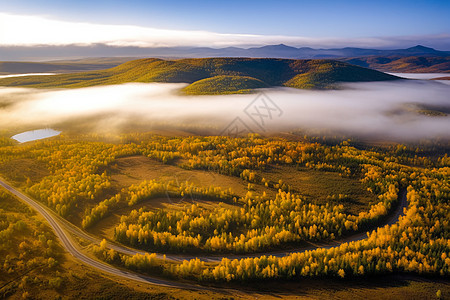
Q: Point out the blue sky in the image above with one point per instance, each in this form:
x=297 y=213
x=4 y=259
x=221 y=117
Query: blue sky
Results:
x=317 y=19
x=305 y=18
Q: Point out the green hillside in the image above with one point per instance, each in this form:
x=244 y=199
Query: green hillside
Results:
x=213 y=75
x=224 y=84
x=326 y=75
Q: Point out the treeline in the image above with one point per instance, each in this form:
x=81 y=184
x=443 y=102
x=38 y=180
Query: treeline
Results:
x=261 y=223
x=153 y=189
x=419 y=243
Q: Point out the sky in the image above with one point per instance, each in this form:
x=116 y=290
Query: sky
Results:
x=321 y=23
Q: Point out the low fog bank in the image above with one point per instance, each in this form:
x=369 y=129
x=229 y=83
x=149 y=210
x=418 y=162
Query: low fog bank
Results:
x=420 y=75
x=393 y=110
x=424 y=76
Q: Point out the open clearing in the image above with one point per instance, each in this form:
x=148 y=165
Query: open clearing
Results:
x=20 y=169
x=314 y=185
x=318 y=185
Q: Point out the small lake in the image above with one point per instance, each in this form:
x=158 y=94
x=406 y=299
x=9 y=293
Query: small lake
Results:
x=28 y=74
x=34 y=135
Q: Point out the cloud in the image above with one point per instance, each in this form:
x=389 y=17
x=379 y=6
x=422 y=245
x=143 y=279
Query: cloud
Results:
x=385 y=110
x=22 y=30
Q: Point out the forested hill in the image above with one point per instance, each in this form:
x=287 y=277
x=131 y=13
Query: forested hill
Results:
x=214 y=75
x=410 y=64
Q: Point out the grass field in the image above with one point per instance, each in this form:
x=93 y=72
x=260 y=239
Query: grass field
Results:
x=317 y=186
x=22 y=169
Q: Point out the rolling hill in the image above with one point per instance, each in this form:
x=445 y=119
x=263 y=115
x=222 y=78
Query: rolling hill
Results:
x=400 y=64
x=224 y=84
x=214 y=75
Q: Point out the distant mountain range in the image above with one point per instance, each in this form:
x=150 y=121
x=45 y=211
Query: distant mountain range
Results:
x=214 y=75
x=283 y=51
x=415 y=59
x=41 y=53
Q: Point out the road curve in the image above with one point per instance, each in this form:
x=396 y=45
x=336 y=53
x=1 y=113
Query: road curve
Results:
x=59 y=224
x=75 y=252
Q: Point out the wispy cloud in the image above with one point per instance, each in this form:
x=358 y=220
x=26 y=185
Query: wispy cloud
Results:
x=22 y=30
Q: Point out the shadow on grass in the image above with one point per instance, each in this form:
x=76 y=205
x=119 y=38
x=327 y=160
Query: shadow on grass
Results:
x=309 y=286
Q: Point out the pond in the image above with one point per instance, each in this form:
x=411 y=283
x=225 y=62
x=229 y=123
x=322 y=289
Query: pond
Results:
x=33 y=135
x=28 y=74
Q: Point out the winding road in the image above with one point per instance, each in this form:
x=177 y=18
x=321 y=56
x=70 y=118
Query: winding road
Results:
x=62 y=228
x=75 y=252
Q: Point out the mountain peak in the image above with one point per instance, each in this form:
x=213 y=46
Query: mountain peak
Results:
x=421 y=48
x=279 y=47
